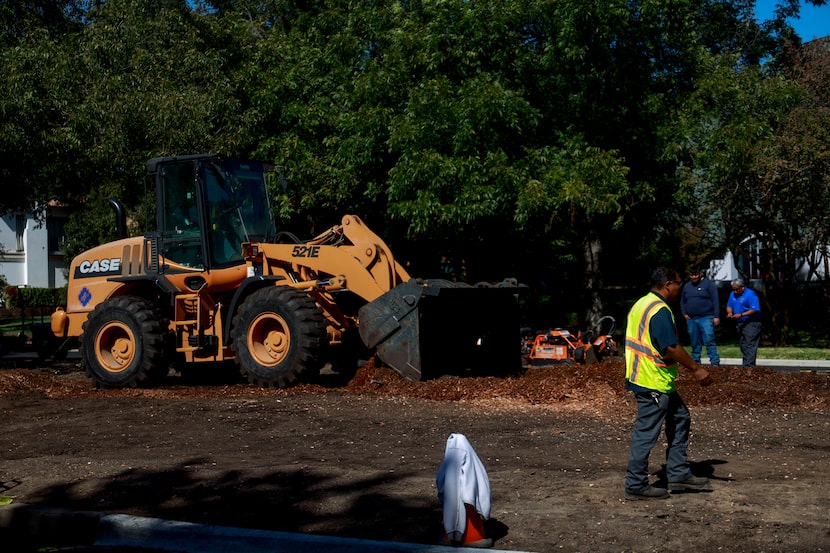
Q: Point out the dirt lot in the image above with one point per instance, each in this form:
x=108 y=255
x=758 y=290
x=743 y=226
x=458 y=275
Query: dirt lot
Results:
x=360 y=459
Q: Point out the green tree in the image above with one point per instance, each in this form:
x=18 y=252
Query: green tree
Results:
x=793 y=170
x=19 y=18
x=797 y=161
x=39 y=150
x=482 y=139
x=87 y=107
x=156 y=81
x=532 y=126
x=612 y=77
x=755 y=156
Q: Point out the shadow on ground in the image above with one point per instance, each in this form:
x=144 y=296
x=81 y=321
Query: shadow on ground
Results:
x=290 y=501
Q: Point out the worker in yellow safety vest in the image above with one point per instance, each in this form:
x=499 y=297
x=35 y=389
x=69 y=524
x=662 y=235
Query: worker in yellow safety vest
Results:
x=652 y=354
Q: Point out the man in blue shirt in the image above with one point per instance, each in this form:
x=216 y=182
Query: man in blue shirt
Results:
x=744 y=307
x=700 y=306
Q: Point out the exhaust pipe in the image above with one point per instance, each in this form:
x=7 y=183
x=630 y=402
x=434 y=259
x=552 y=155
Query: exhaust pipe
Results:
x=120 y=218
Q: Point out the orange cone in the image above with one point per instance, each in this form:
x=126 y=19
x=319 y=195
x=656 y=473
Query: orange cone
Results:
x=474 y=533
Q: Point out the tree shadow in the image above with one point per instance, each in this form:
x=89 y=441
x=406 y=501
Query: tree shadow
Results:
x=300 y=500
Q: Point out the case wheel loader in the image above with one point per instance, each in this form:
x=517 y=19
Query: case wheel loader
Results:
x=214 y=282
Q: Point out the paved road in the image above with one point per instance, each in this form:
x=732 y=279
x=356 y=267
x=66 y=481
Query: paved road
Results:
x=96 y=533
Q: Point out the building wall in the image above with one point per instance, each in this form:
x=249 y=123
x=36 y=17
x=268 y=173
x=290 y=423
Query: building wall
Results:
x=25 y=256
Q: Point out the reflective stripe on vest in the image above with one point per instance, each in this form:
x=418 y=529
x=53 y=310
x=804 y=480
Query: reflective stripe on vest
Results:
x=644 y=366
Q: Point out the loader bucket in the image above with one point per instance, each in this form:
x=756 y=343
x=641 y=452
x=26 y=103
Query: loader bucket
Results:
x=428 y=330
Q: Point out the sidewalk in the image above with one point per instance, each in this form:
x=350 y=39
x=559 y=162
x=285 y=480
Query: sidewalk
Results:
x=781 y=364
x=20 y=523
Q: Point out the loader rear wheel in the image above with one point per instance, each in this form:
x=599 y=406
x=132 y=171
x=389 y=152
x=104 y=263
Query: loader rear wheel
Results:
x=277 y=335
x=123 y=343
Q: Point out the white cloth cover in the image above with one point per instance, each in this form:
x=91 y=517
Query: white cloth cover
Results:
x=461 y=479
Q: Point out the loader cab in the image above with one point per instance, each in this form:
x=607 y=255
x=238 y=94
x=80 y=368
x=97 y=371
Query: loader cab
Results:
x=207 y=207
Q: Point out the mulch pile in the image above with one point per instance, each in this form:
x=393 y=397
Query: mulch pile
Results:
x=596 y=387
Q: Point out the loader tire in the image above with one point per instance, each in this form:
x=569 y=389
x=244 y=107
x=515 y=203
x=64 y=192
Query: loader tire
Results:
x=277 y=335
x=123 y=343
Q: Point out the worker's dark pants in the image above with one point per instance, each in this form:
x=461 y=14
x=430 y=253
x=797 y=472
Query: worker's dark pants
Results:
x=749 y=337
x=654 y=408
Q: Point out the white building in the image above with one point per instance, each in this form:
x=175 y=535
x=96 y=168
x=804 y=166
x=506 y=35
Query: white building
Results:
x=726 y=268
x=31 y=251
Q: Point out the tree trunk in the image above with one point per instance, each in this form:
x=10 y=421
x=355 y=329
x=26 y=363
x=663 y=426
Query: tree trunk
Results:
x=591 y=251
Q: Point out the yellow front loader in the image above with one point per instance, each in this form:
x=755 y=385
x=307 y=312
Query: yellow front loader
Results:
x=215 y=281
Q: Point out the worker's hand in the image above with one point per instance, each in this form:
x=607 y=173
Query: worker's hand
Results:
x=703 y=377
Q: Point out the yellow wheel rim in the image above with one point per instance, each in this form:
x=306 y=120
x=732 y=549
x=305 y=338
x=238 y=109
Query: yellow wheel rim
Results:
x=115 y=347
x=269 y=339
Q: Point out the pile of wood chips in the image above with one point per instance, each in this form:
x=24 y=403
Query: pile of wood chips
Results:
x=597 y=387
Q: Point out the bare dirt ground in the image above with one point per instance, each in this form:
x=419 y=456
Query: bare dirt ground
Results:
x=359 y=459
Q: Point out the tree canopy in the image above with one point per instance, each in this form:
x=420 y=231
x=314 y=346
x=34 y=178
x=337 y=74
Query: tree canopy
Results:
x=552 y=140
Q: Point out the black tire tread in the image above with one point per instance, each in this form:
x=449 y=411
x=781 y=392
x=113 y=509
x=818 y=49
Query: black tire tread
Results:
x=309 y=325
x=152 y=363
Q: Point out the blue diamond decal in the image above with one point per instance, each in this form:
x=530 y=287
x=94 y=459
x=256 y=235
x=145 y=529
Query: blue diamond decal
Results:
x=85 y=296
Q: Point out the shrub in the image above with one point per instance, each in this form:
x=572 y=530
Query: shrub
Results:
x=34 y=297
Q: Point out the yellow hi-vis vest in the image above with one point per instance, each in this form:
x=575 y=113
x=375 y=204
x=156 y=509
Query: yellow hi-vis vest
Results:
x=644 y=366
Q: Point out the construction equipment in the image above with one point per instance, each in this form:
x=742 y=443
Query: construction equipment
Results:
x=560 y=346
x=602 y=339
x=215 y=282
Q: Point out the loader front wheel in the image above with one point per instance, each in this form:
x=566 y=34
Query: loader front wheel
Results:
x=123 y=343
x=277 y=335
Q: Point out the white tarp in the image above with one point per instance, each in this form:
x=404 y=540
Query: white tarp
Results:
x=461 y=479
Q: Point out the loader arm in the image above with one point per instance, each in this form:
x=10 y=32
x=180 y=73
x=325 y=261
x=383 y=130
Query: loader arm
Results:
x=369 y=250
x=348 y=256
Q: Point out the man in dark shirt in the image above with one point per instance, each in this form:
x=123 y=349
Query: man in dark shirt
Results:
x=701 y=308
x=653 y=355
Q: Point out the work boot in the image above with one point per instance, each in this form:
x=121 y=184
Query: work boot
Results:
x=692 y=483
x=649 y=492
